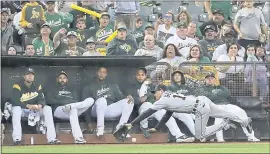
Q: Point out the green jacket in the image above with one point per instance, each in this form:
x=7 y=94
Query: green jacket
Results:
x=22 y=95
x=126 y=47
x=180 y=88
x=102 y=34
x=40 y=48
x=217 y=94
x=97 y=89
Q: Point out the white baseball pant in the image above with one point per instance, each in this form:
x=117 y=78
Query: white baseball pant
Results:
x=238 y=112
x=45 y=112
x=187 y=119
x=120 y=109
x=171 y=124
x=76 y=110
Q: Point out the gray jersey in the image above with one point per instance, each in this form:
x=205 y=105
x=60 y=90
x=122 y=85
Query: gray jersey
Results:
x=175 y=102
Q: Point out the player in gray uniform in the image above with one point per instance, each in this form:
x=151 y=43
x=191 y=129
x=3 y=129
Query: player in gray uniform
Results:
x=201 y=106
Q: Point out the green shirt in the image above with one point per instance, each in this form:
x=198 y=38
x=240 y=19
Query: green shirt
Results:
x=42 y=49
x=83 y=35
x=224 y=6
x=64 y=50
x=55 y=21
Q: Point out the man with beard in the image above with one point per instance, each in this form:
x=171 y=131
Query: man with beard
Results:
x=104 y=30
x=110 y=103
x=228 y=37
x=69 y=48
x=65 y=104
x=43 y=44
x=6 y=31
x=210 y=42
x=28 y=99
x=180 y=39
x=217 y=21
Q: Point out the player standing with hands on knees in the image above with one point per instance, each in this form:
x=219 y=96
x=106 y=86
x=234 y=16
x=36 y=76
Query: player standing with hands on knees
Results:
x=28 y=98
x=109 y=101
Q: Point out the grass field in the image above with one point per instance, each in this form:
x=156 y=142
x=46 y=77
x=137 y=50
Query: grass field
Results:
x=144 y=148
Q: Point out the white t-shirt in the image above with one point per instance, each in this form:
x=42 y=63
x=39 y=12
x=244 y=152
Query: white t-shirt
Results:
x=182 y=44
x=163 y=34
x=222 y=49
x=237 y=68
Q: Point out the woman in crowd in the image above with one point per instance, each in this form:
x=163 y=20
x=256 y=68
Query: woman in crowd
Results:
x=196 y=55
x=257 y=55
x=12 y=50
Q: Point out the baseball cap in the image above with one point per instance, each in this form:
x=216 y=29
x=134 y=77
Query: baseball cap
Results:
x=62 y=72
x=29 y=70
x=212 y=27
x=143 y=69
x=50 y=1
x=7 y=10
x=149 y=26
x=105 y=14
x=90 y=40
x=182 y=23
x=218 y=11
x=159 y=87
x=210 y=74
x=70 y=33
x=45 y=25
x=122 y=27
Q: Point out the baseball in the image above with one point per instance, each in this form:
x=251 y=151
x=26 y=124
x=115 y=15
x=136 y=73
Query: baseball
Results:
x=133 y=139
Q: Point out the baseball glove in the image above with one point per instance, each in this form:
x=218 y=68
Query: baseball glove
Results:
x=121 y=133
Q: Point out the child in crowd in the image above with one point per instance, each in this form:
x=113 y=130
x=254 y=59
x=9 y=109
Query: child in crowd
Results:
x=91 y=48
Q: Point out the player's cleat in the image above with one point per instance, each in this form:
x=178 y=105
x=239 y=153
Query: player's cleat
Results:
x=55 y=141
x=220 y=141
x=254 y=139
x=146 y=134
x=185 y=138
x=17 y=142
x=66 y=108
x=100 y=132
x=128 y=136
x=80 y=140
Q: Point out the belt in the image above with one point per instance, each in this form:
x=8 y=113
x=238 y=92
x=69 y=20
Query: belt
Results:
x=195 y=107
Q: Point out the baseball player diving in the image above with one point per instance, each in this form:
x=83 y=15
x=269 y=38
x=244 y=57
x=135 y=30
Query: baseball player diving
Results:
x=200 y=106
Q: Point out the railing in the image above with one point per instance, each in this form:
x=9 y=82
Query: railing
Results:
x=242 y=78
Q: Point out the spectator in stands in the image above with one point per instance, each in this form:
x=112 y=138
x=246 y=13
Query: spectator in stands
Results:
x=90 y=20
x=224 y=6
x=191 y=32
x=184 y=16
x=16 y=23
x=149 y=48
x=122 y=45
x=164 y=28
x=6 y=31
x=210 y=42
x=150 y=30
x=91 y=48
x=230 y=56
x=219 y=95
x=104 y=30
x=82 y=33
x=30 y=50
x=181 y=41
x=229 y=37
x=217 y=21
x=12 y=50
x=125 y=11
x=31 y=20
x=25 y=99
x=67 y=49
x=196 y=55
x=257 y=55
x=249 y=23
x=65 y=105
x=43 y=44
x=110 y=102
x=139 y=30
x=54 y=19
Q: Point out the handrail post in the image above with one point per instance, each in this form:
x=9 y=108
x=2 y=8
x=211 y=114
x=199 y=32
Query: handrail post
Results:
x=254 y=80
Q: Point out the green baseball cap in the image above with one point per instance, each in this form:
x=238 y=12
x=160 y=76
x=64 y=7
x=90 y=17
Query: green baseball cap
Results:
x=182 y=24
